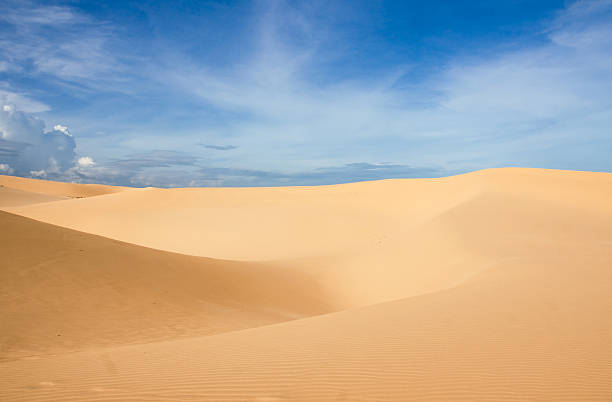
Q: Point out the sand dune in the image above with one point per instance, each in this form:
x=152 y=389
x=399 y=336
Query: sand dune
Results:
x=56 y=188
x=377 y=233
x=12 y=197
x=489 y=285
x=517 y=332
x=64 y=290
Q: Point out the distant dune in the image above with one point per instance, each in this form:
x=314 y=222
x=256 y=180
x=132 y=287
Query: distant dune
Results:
x=492 y=285
x=55 y=188
x=13 y=197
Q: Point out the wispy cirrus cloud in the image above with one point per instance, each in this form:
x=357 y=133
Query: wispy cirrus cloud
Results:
x=158 y=158
x=22 y=101
x=503 y=109
x=236 y=177
x=56 y=41
x=350 y=172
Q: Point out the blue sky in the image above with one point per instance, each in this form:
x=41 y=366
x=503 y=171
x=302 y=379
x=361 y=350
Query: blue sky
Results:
x=195 y=93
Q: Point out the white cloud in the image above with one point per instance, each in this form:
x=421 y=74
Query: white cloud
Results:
x=57 y=41
x=63 y=129
x=20 y=101
x=5 y=168
x=29 y=150
x=85 y=161
x=41 y=15
x=38 y=173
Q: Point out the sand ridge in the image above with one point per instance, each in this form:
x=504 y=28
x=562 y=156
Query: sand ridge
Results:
x=12 y=197
x=489 y=285
x=56 y=188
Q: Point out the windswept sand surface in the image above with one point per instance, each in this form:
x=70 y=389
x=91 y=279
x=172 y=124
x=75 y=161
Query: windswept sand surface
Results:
x=58 y=189
x=491 y=285
x=13 y=197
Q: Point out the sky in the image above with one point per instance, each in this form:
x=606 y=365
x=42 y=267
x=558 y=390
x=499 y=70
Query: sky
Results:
x=270 y=93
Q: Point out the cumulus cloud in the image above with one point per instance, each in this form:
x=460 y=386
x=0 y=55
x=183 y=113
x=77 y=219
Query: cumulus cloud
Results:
x=5 y=168
x=27 y=149
x=85 y=161
x=63 y=129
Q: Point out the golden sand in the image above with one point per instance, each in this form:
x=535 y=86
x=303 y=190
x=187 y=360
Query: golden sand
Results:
x=493 y=285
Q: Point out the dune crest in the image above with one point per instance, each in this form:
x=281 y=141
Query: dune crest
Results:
x=58 y=189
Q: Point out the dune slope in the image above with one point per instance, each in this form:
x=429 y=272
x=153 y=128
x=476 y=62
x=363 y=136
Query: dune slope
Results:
x=530 y=329
x=12 y=197
x=392 y=238
x=62 y=290
x=56 y=188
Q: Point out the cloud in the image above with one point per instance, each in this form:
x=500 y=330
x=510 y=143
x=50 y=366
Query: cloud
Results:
x=55 y=41
x=158 y=158
x=5 y=168
x=530 y=104
x=236 y=177
x=62 y=129
x=20 y=101
x=583 y=25
x=350 y=172
x=219 y=147
x=85 y=161
x=26 y=149
x=39 y=15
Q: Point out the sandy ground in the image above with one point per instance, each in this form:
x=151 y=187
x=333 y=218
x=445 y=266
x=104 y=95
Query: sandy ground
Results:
x=491 y=285
x=58 y=189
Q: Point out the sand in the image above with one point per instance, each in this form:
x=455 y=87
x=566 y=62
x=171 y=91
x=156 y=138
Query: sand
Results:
x=55 y=188
x=13 y=197
x=492 y=285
